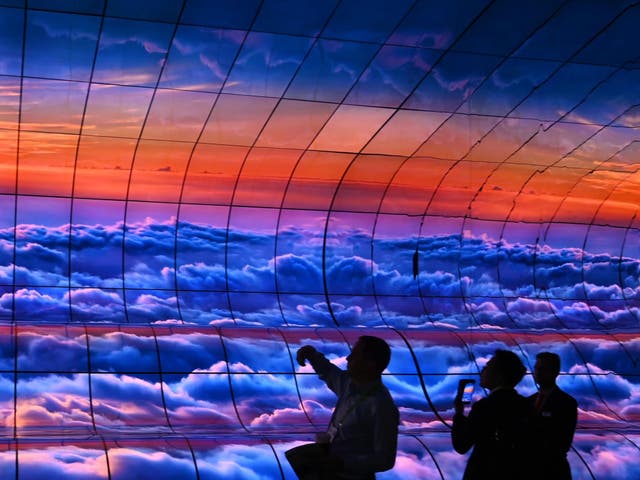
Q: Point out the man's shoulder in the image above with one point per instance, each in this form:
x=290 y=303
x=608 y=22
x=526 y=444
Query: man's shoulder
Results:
x=503 y=402
x=382 y=391
x=383 y=396
x=509 y=395
x=565 y=397
x=484 y=406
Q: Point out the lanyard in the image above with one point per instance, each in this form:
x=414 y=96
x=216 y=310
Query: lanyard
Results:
x=358 y=401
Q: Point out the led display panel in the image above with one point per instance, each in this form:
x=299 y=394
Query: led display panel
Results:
x=190 y=191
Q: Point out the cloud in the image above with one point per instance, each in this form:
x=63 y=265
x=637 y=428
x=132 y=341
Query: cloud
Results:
x=202 y=400
x=281 y=418
x=610 y=387
x=58 y=461
x=463 y=283
x=298 y=273
x=451 y=268
x=410 y=466
x=157 y=465
x=53 y=31
x=249 y=461
x=610 y=457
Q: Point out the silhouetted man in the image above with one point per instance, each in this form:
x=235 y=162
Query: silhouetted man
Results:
x=363 y=432
x=498 y=426
x=556 y=418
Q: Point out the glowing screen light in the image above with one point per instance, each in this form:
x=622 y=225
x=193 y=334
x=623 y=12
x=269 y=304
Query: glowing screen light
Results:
x=192 y=190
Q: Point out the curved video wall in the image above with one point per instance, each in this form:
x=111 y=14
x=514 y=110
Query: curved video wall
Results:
x=192 y=190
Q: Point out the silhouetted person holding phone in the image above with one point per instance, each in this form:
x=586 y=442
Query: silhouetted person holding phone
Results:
x=498 y=426
x=556 y=418
x=362 y=435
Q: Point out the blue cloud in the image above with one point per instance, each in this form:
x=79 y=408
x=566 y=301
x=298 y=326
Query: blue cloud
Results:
x=488 y=270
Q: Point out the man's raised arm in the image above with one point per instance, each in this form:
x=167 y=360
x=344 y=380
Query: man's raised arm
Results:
x=327 y=371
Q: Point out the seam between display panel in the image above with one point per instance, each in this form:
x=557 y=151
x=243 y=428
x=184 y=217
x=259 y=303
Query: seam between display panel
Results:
x=430 y=454
x=426 y=75
x=186 y=173
x=90 y=378
x=590 y=224
x=231 y=391
x=75 y=164
x=268 y=442
x=127 y=200
x=14 y=322
x=295 y=379
x=296 y=35
x=584 y=462
x=622 y=248
x=460 y=160
x=244 y=160
x=504 y=59
x=355 y=156
x=589 y=374
x=193 y=456
x=620 y=257
x=237 y=180
x=161 y=380
x=464 y=157
x=419 y=372
x=541 y=168
x=106 y=452
x=302 y=153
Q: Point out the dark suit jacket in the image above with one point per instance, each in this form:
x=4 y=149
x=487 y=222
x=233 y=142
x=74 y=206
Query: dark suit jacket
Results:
x=499 y=430
x=555 y=424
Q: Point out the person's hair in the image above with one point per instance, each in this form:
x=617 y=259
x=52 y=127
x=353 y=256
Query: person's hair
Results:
x=377 y=350
x=552 y=360
x=509 y=366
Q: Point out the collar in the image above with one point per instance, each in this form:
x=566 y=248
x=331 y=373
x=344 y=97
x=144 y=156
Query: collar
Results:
x=365 y=389
x=502 y=389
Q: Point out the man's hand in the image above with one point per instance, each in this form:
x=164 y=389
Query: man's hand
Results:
x=304 y=353
x=458 y=405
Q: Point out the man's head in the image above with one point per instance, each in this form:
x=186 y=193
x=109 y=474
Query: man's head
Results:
x=368 y=358
x=546 y=369
x=504 y=369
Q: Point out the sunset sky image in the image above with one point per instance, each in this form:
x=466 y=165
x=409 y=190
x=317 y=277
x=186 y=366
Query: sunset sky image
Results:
x=192 y=190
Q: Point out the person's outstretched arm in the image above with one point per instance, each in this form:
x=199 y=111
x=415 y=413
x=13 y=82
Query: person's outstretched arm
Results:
x=333 y=376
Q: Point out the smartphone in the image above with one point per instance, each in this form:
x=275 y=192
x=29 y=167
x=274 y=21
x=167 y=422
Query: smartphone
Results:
x=467 y=386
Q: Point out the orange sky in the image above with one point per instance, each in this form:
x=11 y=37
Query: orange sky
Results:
x=468 y=165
